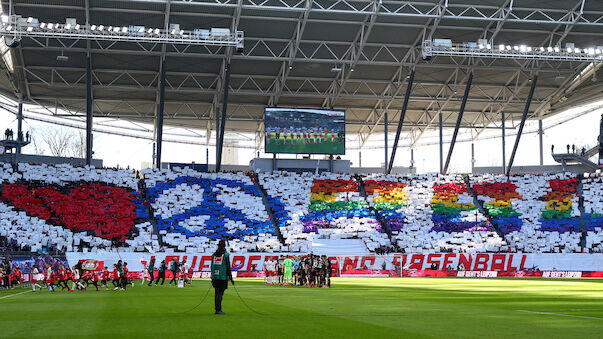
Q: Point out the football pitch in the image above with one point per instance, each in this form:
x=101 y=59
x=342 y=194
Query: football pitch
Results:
x=352 y=308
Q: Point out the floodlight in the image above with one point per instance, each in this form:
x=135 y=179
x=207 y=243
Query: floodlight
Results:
x=77 y=27
x=29 y=20
x=501 y=47
x=93 y=27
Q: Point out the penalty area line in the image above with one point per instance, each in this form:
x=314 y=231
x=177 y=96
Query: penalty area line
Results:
x=12 y=295
x=561 y=315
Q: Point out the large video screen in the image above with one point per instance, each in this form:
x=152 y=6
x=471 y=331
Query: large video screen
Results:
x=304 y=130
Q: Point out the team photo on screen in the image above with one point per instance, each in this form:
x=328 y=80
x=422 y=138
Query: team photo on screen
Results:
x=305 y=131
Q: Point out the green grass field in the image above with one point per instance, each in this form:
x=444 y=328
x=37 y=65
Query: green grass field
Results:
x=353 y=308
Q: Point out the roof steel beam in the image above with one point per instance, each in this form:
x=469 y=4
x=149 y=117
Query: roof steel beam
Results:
x=411 y=9
x=353 y=54
x=287 y=66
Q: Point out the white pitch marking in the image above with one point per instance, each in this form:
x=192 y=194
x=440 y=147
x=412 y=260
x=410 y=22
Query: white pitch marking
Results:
x=561 y=315
x=12 y=295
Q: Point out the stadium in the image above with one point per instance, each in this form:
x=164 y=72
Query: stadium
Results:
x=301 y=168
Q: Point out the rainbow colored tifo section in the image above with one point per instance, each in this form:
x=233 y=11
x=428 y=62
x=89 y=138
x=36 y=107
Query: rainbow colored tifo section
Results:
x=500 y=208
x=332 y=200
x=558 y=214
x=388 y=203
x=450 y=214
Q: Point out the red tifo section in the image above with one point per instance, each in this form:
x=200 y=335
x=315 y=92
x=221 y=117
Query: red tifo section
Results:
x=106 y=211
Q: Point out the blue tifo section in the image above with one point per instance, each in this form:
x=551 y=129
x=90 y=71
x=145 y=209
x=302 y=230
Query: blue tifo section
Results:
x=278 y=211
x=591 y=221
x=141 y=209
x=453 y=223
x=210 y=206
x=507 y=225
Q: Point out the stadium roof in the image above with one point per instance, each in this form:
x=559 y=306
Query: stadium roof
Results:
x=290 y=49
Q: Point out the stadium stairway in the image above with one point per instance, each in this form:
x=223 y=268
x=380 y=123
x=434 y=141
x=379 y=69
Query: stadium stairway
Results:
x=142 y=187
x=339 y=247
x=480 y=206
x=384 y=226
x=580 y=192
x=256 y=181
x=574 y=158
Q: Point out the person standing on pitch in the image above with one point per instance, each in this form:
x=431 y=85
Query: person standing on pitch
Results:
x=161 y=274
x=220 y=274
x=288 y=274
x=174 y=269
x=151 y=271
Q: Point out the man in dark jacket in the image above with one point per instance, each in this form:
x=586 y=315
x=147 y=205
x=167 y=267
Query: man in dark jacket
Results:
x=151 y=270
x=220 y=274
x=174 y=269
x=161 y=274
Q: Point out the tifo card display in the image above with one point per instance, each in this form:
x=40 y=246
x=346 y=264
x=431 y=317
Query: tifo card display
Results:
x=305 y=131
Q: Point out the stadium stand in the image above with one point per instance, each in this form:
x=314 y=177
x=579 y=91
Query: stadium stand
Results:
x=327 y=205
x=440 y=215
x=530 y=220
x=194 y=210
x=67 y=209
x=592 y=187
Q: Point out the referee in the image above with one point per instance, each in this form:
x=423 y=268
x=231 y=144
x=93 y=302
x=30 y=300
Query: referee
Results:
x=220 y=274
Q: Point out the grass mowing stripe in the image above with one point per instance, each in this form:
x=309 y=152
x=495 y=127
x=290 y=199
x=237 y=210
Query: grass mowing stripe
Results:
x=14 y=294
x=561 y=315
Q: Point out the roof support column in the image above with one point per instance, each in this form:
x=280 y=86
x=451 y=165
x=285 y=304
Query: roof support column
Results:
x=401 y=122
x=88 y=110
x=504 y=146
x=223 y=119
x=385 y=167
x=160 y=108
x=540 y=132
x=19 y=125
x=523 y=121
x=441 y=145
x=458 y=122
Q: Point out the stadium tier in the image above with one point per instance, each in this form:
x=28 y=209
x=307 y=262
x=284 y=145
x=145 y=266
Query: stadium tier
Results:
x=66 y=208
x=195 y=209
x=323 y=206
